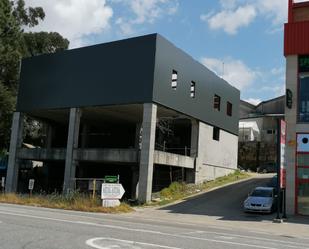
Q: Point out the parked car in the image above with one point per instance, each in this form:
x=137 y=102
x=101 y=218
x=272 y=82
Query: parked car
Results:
x=261 y=199
x=267 y=168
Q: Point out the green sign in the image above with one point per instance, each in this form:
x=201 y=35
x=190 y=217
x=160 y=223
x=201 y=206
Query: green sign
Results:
x=303 y=63
x=111 y=179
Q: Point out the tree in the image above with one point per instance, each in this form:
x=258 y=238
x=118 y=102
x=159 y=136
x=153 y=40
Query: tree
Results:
x=15 y=44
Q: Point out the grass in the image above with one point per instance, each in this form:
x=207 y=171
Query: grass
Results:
x=177 y=191
x=74 y=201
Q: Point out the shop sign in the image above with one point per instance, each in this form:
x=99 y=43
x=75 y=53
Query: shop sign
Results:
x=303 y=63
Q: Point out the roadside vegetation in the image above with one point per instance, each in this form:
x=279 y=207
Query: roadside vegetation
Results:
x=177 y=191
x=83 y=202
x=74 y=201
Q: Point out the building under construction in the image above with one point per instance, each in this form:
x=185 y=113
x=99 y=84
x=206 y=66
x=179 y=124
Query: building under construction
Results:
x=139 y=108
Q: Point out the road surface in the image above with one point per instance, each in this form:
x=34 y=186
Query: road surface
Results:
x=24 y=227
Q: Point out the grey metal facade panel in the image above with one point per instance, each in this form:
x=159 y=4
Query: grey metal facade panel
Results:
x=118 y=72
x=169 y=58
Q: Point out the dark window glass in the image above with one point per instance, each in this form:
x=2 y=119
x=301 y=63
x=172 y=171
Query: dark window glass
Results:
x=229 y=109
x=216 y=133
x=303 y=102
x=217 y=101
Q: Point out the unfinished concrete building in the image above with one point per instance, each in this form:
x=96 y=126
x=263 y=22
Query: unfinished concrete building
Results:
x=139 y=108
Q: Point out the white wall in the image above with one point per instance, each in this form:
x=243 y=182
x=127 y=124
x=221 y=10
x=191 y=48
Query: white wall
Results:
x=215 y=158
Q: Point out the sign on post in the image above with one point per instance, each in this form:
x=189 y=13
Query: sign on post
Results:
x=282 y=154
x=2 y=182
x=111 y=193
x=31 y=184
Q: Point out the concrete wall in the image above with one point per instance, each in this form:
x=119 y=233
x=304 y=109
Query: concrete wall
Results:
x=215 y=158
x=290 y=117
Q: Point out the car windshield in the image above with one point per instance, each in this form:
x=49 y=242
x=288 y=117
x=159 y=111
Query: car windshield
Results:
x=261 y=193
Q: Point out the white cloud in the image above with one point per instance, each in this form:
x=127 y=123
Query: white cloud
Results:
x=235 y=71
x=253 y=101
x=276 y=10
x=145 y=11
x=74 y=19
x=230 y=21
x=235 y=14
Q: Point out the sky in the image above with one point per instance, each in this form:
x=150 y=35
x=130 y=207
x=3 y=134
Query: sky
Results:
x=240 y=40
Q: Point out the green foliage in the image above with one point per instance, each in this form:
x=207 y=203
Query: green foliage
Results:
x=177 y=191
x=43 y=43
x=16 y=44
x=72 y=201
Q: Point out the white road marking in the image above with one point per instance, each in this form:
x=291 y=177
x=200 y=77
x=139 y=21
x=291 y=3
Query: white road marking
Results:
x=153 y=232
x=93 y=243
x=225 y=237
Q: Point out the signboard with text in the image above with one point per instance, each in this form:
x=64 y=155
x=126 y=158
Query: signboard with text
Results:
x=282 y=154
x=112 y=191
x=303 y=63
x=31 y=184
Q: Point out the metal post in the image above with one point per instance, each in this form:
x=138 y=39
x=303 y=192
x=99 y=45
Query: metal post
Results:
x=278 y=170
x=93 y=188
x=284 y=216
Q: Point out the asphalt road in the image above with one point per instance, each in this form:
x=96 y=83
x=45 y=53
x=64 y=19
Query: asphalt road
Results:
x=31 y=228
x=224 y=203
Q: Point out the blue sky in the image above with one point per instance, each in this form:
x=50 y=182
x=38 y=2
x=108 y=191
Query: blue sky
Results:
x=241 y=40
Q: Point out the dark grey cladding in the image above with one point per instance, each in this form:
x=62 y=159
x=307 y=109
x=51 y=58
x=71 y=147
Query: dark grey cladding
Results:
x=136 y=70
x=207 y=84
x=112 y=73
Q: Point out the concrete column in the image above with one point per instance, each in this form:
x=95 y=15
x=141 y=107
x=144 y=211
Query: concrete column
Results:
x=291 y=117
x=190 y=173
x=147 y=151
x=70 y=163
x=194 y=138
x=15 y=144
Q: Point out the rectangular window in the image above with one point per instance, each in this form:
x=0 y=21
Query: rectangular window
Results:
x=217 y=100
x=303 y=102
x=229 y=109
x=216 y=133
x=174 y=80
x=192 y=89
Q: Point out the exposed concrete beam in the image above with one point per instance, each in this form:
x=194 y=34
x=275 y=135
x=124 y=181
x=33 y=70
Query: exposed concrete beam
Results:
x=170 y=159
x=15 y=144
x=40 y=154
x=106 y=155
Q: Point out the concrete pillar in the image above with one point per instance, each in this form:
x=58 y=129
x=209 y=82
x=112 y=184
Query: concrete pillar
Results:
x=194 y=138
x=15 y=144
x=70 y=163
x=190 y=173
x=147 y=151
x=290 y=118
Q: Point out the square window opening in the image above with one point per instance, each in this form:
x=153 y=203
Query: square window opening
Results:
x=174 y=80
x=192 y=89
x=216 y=133
x=229 y=109
x=217 y=102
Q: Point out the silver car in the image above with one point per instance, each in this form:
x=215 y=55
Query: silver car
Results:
x=261 y=199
